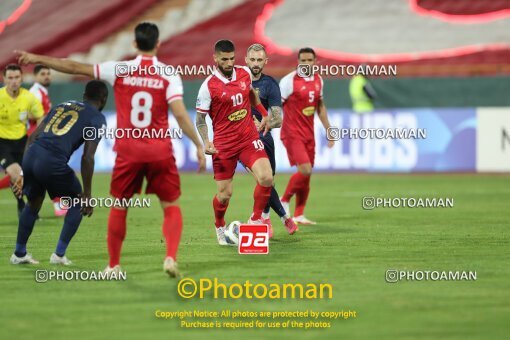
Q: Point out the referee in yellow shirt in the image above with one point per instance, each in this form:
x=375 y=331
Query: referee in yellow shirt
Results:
x=17 y=105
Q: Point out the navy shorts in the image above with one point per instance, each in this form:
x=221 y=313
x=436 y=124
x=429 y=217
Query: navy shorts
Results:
x=44 y=171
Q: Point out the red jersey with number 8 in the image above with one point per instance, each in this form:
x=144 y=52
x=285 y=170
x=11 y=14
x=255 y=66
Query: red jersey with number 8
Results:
x=227 y=102
x=143 y=91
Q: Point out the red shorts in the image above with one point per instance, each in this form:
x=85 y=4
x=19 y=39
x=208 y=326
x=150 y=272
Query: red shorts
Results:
x=249 y=154
x=299 y=152
x=162 y=179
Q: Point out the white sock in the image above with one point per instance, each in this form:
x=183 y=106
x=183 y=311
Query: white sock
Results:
x=265 y=215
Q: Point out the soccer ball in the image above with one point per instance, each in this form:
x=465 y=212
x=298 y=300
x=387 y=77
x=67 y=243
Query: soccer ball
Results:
x=232 y=232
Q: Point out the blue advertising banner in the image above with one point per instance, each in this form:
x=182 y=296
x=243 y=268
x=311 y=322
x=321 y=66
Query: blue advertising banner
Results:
x=403 y=140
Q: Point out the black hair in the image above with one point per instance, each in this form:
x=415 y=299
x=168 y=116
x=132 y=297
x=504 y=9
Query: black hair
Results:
x=224 y=45
x=12 y=67
x=40 y=67
x=306 y=50
x=146 y=36
x=96 y=90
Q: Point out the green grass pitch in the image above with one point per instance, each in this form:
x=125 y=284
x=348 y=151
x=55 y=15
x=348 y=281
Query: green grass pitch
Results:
x=350 y=248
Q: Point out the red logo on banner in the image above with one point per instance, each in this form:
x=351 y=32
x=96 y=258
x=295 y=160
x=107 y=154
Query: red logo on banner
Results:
x=253 y=239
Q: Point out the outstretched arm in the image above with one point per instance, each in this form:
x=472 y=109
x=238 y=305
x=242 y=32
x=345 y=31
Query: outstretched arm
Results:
x=58 y=64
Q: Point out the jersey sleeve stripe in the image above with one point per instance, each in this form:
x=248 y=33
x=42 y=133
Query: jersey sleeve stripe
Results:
x=174 y=97
x=202 y=110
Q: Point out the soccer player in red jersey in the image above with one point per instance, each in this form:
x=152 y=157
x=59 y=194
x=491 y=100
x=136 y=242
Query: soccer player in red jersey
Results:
x=42 y=80
x=302 y=97
x=142 y=98
x=227 y=96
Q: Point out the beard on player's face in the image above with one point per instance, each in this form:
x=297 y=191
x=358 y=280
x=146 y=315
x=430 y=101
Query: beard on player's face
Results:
x=43 y=78
x=255 y=70
x=226 y=70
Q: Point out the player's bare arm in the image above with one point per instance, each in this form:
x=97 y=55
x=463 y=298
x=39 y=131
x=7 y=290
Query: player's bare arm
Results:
x=204 y=133
x=255 y=102
x=275 y=120
x=181 y=115
x=58 y=64
x=87 y=170
x=17 y=187
x=323 y=116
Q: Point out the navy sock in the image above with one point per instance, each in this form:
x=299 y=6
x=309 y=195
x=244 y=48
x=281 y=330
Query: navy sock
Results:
x=268 y=206
x=71 y=224
x=61 y=248
x=21 y=250
x=25 y=226
x=274 y=202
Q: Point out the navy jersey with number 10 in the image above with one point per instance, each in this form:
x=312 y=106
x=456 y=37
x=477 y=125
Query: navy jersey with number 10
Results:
x=66 y=126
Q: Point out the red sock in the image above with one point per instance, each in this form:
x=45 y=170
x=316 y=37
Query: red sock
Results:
x=116 y=234
x=302 y=196
x=5 y=182
x=172 y=229
x=296 y=183
x=261 y=197
x=219 y=212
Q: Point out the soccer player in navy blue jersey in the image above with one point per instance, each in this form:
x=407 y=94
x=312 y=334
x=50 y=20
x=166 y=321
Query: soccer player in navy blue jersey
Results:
x=45 y=167
x=269 y=93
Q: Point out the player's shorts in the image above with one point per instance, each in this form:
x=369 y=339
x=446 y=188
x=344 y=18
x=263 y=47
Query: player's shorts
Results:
x=269 y=147
x=44 y=171
x=11 y=151
x=299 y=152
x=225 y=168
x=162 y=179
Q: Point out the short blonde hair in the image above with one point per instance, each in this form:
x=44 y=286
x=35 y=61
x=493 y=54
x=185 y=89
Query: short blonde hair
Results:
x=256 y=48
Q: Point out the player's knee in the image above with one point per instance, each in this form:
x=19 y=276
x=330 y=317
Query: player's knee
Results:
x=35 y=205
x=305 y=169
x=224 y=195
x=266 y=179
x=166 y=204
